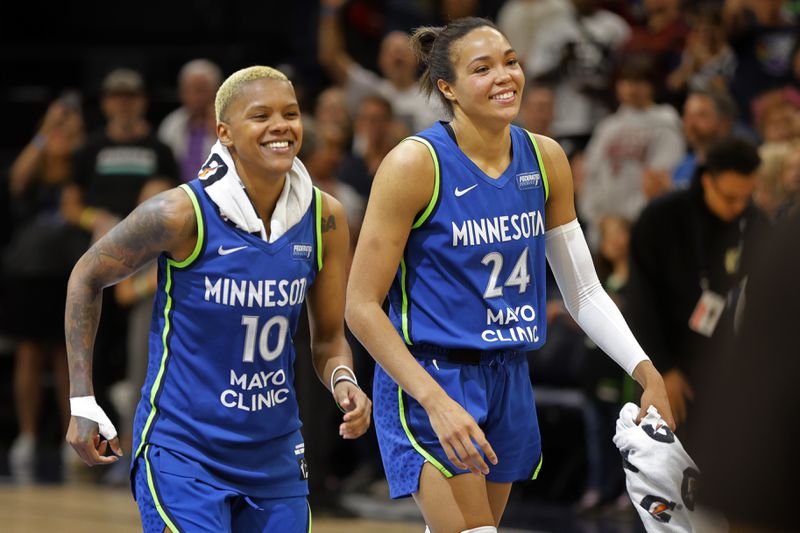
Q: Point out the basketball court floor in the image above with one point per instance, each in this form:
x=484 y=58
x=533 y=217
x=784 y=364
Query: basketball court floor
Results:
x=71 y=508
x=80 y=508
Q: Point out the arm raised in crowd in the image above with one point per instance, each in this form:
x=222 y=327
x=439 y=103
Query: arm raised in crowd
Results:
x=331 y=53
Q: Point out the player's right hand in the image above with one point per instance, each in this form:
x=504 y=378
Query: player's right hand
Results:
x=458 y=433
x=84 y=436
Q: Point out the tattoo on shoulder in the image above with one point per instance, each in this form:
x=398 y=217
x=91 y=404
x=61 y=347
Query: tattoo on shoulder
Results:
x=329 y=224
x=145 y=232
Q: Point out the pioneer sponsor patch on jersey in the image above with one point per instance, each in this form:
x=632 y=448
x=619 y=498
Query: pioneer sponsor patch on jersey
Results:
x=302 y=251
x=530 y=180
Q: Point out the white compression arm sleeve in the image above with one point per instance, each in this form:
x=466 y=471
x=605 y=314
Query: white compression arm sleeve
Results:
x=585 y=298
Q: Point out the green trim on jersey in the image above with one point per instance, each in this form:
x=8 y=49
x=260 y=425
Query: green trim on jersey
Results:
x=538 y=467
x=431 y=459
x=154 y=494
x=198 y=214
x=318 y=225
x=171 y=263
x=309 y=515
x=436 y=178
x=426 y=213
x=404 y=313
x=541 y=165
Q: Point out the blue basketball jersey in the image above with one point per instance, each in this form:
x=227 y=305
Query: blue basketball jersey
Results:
x=219 y=386
x=472 y=275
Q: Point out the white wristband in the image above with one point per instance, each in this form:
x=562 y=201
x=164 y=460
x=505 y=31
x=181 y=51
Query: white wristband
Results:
x=342 y=367
x=345 y=378
x=86 y=407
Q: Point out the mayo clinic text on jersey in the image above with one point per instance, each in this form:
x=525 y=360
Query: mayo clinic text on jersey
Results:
x=256 y=391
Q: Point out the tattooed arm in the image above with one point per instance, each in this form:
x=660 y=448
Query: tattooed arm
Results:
x=165 y=223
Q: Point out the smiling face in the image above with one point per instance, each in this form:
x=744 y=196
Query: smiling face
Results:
x=261 y=127
x=489 y=80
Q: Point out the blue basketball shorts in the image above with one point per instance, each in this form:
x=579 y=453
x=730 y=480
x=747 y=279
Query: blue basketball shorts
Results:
x=175 y=502
x=496 y=391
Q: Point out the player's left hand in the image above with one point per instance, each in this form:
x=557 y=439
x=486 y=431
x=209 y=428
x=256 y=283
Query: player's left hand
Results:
x=357 y=409
x=655 y=392
x=656 y=395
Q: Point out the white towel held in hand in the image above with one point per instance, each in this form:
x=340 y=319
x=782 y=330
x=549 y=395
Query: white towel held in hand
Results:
x=661 y=478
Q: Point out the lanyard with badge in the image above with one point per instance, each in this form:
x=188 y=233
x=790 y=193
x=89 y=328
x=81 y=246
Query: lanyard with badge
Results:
x=711 y=305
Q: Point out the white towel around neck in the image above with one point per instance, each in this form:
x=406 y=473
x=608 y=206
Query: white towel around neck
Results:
x=223 y=184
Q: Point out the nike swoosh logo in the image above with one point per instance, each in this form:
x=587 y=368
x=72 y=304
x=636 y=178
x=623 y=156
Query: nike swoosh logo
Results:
x=223 y=251
x=459 y=192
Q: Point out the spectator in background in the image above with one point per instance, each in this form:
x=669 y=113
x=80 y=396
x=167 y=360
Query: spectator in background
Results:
x=375 y=132
x=331 y=108
x=632 y=152
x=117 y=160
x=396 y=62
x=190 y=130
x=35 y=270
x=776 y=116
x=575 y=55
x=707 y=62
x=661 y=36
x=708 y=116
x=778 y=190
x=522 y=20
x=690 y=253
x=769 y=193
x=322 y=151
x=537 y=111
x=763 y=37
x=790 y=183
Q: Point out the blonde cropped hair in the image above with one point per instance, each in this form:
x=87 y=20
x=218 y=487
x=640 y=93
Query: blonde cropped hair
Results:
x=230 y=88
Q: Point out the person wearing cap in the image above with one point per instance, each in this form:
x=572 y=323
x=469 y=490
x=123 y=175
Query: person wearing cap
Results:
x=119 y=159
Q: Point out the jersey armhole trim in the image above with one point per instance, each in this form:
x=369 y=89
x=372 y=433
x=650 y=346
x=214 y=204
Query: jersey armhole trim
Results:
x=542 y=168
x=436 y=178
x=198 y=214
x=318 y=225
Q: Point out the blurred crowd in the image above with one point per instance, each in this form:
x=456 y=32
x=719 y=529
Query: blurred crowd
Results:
x=681 y=121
